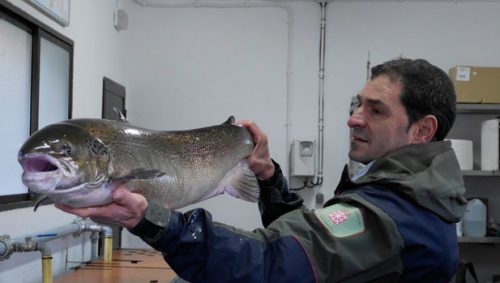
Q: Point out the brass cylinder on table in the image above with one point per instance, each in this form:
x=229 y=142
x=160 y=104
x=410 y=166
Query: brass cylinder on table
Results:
x=108 y=248
x=46 y=269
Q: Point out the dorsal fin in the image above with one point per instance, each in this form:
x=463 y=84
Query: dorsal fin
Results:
x=121 y=117
x=229 y=121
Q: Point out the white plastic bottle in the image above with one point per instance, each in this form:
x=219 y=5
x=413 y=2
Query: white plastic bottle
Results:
x=474 y=220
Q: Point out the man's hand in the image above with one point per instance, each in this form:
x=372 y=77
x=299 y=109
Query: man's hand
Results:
x=260 y=159
x=127 y=209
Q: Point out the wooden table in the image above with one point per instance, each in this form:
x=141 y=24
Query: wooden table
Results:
x=128 y=266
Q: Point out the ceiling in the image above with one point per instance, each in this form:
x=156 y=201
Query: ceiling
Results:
x=160 y=3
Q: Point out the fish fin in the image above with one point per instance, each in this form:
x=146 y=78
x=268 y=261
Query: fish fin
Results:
x=229 y=121
x=39 y=201
x=140 y=174
x=244 y=183
x=121 y=117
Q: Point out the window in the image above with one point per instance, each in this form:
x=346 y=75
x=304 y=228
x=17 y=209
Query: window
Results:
x=113 y=99
x=53 y=101
x=15 y=94
x=35 y=90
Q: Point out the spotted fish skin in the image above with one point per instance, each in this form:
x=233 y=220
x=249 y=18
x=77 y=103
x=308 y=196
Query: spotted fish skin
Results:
x=79 y=162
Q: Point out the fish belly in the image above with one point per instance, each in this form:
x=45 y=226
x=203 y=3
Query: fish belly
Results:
x=175 y=192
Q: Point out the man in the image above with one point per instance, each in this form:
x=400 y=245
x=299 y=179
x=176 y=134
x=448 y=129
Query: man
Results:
x=393 y=222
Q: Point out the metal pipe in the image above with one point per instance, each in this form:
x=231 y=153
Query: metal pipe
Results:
x=108 y=249
x=76 y=227
x=321 y=97
x=29 y=243
x=94 y=237
x=37 y=242
x=5 y=244
x=289 y=87
x=108 y=239
x=47 y=268
x=46 y=263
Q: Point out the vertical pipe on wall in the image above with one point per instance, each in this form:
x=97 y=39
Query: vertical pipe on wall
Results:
x=289 y=74
x=321 y=97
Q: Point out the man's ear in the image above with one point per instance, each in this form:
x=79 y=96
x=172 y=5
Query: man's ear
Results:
x=424 y=129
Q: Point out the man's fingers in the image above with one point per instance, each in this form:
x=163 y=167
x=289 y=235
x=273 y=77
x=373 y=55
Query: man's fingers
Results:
x=126 y=210
x=129 y=200
x=82 y=212
x=255 y=131
x=121 y=196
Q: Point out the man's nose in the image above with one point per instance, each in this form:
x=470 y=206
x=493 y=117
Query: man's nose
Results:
x=356 y=119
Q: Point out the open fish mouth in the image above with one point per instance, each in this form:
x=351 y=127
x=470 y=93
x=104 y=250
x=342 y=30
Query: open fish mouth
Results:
x=43 y=172
x=39 y=163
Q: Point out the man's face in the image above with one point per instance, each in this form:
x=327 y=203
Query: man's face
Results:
x=380 y=123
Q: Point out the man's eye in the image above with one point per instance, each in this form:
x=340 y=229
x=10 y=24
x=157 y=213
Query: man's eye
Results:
x=354 y=105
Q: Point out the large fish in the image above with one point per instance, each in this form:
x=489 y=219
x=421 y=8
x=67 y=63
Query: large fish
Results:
x=80 y=162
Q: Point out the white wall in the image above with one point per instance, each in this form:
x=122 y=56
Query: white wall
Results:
x=193 y=67
x=98 y=52
x=182 y=81
x=179 y=64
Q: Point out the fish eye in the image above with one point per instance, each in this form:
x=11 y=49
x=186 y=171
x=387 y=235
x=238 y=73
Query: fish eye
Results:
x=66 y=149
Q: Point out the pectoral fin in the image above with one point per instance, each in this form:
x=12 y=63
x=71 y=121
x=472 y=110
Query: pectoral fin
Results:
x=140 y=174
x=243 y=182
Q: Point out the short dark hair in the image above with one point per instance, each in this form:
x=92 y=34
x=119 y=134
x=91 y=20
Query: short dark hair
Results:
x=427 y=90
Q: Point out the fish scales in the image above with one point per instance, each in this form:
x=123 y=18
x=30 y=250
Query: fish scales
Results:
x=174 y=168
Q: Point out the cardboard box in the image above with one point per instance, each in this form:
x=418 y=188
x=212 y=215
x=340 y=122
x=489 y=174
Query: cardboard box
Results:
x=476 y=84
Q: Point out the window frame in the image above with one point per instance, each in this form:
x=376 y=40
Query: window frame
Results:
x=38 y=30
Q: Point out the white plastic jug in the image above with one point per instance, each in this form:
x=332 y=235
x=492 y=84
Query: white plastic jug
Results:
x=474 y=220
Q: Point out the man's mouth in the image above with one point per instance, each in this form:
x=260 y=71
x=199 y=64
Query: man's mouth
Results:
x=357 y=138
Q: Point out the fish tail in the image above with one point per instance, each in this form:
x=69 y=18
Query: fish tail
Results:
x=244 y=183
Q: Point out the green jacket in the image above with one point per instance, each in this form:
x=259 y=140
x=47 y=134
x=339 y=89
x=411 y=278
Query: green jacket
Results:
x=396 y=223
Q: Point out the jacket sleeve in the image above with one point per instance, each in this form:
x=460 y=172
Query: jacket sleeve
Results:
x=300 y=246
x=275 y=198
x=200 y=250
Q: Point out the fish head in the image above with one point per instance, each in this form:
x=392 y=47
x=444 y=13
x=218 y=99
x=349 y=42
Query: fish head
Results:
x=63 y=158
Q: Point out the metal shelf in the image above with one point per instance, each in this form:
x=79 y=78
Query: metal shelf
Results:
x=473 y=115
x=476 y=108
x=480 y=173
x=479 y=240
x=470 y=116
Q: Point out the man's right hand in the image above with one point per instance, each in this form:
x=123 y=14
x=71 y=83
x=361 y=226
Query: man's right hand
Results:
x=126 y=210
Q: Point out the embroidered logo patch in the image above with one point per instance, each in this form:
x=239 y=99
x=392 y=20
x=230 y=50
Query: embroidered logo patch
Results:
x=341 y=220
x=339 y=216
